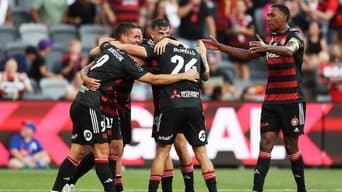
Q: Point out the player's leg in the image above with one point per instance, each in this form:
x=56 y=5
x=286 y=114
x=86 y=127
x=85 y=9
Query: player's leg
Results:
x=85 y=165
x=294 y=116
x=101 y=151
x=185 y=161
x=167 y=177
x=208 y=171
x=195 y=133
x=269 y=128
x=164 y=135
x=68 y=166
x=158 y=164
x=116 y=149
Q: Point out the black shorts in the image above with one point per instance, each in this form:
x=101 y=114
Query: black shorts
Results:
x=112 y=126
x=156 y=122
x=125 y=126
x=287 y=117
x=189 y=121
x=88 y=126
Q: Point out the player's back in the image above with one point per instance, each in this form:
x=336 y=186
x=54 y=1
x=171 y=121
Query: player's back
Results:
x=182 y=94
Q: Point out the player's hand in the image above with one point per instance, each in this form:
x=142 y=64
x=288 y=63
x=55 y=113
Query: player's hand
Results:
x=159 y=48
x=211 y=43
x=201 y=47
x=257 y=46
x=91 y=83
x=192 y=75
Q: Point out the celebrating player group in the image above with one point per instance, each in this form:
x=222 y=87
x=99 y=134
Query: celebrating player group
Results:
x=101 y=114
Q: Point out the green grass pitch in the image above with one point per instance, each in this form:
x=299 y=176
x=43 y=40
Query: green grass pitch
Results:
x=136 y=180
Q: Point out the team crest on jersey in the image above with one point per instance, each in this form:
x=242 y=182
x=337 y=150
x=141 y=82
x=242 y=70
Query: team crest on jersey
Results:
x=88 y=135
x=175 y=94
x=202 y=136
x=294 y=121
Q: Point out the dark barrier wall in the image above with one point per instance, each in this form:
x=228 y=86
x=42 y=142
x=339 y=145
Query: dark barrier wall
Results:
x=233 y=132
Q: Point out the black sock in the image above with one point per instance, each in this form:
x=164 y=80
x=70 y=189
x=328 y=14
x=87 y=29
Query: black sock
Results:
x=65 y=172
x=85 y=165
x=261 y=170
x=210 y=180
x=112 y=163
x=297 y=166
x=188 y=177
x=118 y=183
x=104 y=174
x=166 y=180
x=154 y=182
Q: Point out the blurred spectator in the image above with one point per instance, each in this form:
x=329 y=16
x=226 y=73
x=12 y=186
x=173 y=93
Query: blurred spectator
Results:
x=219 y=78
x=26 y=151
x=253 y=93
x=167 y=9
x=240 y=31
x=117 y=11
x=217 y=94
x=81 y=12
x=13 y=84
x=23 y=60
x=38 y=68
x=49 y=12
x=327 y=12
x=194 y=15
x=5 y=13
x=298 y=17
x=73 y=88
x=72 y=61
x=335 y=91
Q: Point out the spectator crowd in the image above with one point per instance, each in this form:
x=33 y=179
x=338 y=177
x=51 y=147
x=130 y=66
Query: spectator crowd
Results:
x=46 y=43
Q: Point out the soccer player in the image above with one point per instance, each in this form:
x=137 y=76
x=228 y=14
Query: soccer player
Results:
x=88 y=127
x=284 y=104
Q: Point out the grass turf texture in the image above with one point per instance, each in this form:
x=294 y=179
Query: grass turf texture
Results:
x=136 y=180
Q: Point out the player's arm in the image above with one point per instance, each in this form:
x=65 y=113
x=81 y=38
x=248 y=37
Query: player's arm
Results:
x=91 y=83
x=165 y=79
x=289 y=49
x=134 y=50
x=159 y=48
x=203 y=54
x=213 y=44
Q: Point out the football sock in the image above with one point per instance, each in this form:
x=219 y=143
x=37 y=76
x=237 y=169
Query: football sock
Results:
x=85 y=165
x=154 y=182
x=188 y=177
x=166 y=180
x=118 y=183
x=104 y=174
x=297 y=166
x=210 y=180
x=261 y=169
x=112 y=163
x=65 y=172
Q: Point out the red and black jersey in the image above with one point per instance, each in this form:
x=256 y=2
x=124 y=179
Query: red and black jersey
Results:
x=284 y=72
x=126 y=10
x=124 y=88
x=113 y=64
x=183 y=94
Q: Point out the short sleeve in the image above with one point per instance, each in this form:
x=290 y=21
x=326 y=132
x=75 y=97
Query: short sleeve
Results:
x=15 y=142
x=133 y=69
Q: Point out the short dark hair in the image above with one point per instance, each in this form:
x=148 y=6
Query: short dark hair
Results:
x=123 y=28
x=159 y=23
x=284 y=9
x=31 y=50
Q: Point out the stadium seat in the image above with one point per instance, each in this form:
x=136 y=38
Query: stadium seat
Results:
x=53 y=59
x=15 y=47
x=20 y=16
x=89 y=34
x=53 y=88
x=8 y=33
x=63 y=33
x=32 y=33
